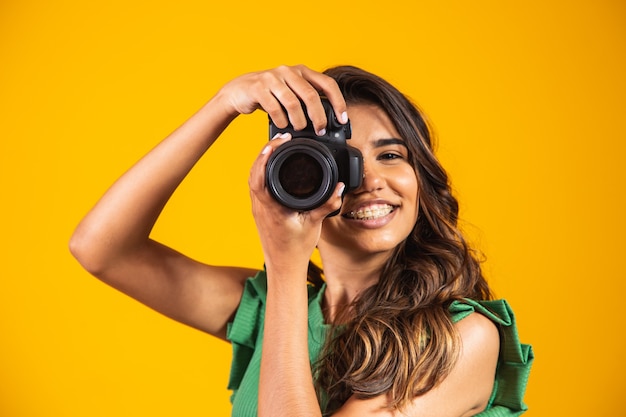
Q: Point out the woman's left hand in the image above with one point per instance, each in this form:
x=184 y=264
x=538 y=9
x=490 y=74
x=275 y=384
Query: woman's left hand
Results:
x=288 y=237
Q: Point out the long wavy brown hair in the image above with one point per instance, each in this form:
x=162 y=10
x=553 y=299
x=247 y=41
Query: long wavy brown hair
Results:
x=400 y=339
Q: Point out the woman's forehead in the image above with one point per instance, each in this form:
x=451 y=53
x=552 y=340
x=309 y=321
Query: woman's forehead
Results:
x=372 y=127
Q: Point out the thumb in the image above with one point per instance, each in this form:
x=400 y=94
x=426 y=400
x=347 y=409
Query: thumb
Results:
x=333 y=205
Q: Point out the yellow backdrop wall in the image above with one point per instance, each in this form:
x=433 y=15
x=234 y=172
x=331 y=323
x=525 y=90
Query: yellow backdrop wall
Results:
x=528 y=102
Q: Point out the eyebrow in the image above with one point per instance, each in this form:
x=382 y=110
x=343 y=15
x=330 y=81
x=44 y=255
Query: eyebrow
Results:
x=391 y=141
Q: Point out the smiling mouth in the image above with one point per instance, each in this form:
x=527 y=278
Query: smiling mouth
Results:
x=370 y=213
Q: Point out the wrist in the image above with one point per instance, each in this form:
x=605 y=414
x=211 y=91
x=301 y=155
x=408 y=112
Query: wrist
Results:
x=220 y=103
x=283 y=275
x=228 y=100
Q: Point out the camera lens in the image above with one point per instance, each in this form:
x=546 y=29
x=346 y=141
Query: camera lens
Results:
x=301 y=174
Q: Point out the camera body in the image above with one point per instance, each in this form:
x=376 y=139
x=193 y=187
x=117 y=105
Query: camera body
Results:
x=302 y=174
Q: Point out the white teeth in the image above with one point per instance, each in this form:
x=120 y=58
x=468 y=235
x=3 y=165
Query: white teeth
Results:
x=371 y=212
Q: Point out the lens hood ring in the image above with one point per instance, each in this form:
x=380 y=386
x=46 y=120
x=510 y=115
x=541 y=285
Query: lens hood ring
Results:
x=302 y=174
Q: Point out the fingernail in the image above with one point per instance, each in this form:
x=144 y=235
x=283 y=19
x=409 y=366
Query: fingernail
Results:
x=321 y=132
x=276 y=136
x=341 y=188
x=284 y=135
x=344 y=117
x=266 y=150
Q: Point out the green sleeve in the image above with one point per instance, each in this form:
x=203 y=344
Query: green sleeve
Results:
x=515 y=358
x=243 y=331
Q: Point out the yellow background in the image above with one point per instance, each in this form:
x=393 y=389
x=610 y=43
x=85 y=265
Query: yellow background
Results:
x=528 y=101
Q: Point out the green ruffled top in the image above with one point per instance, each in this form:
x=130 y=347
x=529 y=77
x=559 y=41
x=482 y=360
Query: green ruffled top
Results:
x=246 y=335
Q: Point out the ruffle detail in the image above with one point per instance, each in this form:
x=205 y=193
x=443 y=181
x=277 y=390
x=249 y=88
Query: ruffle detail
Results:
x=515 y=359
x=243 y=330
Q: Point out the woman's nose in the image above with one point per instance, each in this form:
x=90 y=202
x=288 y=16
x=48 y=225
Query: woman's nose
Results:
x=372 y=180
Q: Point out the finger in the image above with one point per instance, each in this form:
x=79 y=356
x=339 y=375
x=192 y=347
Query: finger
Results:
x=282 y=104
x=331 y=205
x=275 y=111
x=274 y=95
x=256 y=180
x=300 y=91
x=328 y=86
x=297 y=79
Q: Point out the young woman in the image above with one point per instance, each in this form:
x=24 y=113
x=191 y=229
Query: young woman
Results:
x=400 y=321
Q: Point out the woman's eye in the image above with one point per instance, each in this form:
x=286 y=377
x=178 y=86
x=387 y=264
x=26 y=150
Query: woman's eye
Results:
x=390 y=156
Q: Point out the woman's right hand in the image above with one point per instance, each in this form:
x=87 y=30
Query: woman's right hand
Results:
x=280 y=89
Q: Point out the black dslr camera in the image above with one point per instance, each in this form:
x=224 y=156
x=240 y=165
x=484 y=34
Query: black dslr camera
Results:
x=302 y=174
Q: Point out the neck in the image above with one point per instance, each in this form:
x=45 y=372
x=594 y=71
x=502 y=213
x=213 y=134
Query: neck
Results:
x=346 y=277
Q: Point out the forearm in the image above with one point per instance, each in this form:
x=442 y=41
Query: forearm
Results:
x=125 y=215
x=288 y=239
x=286 y=383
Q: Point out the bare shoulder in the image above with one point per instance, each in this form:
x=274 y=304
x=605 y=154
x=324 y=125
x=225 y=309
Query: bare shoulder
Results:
x=464 y=392
x=471 y=380
x=477 y=331
x=480 y=349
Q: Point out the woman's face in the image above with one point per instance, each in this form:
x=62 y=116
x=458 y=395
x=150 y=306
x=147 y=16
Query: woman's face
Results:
x=380 y=214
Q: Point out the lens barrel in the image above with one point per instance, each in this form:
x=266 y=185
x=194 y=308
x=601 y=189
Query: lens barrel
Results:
x=302 y=174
